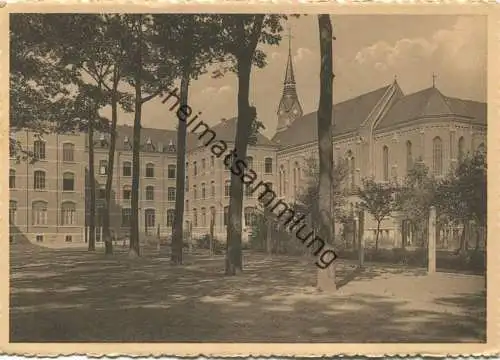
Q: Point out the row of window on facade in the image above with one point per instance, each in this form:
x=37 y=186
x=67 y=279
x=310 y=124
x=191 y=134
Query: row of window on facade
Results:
x=249 y=190
x=204 y=220
x=40 y=153
x=268 y=165
x=40 y=183
x=127 y=169
x=437 y=156
x=150 y=193
x=39 y=212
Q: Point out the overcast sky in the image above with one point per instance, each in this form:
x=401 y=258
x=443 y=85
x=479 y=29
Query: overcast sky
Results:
x=368 y=53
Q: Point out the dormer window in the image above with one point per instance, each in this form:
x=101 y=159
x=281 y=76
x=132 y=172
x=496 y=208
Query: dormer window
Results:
x=149 y=144
x=171 y=146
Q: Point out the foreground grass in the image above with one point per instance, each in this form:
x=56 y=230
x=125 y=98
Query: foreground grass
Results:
x=72 y=295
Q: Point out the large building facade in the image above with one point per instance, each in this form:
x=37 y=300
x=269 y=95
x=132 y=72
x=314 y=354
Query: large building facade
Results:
x=379 y=134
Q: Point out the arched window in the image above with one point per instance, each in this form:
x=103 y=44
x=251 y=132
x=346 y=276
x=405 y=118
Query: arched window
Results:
x=39 y=150
x=461 y=149
x=195 y=217
x=203 y=216
x=203 y=191
x=68 y=181
x=39 y=180
x=249 y=216
x=195 y=192
x=227 y=188
x=12 y=179
x=12 y=212
x=268 y=165
x=68 y=213
x=150 y=192
x=437 y=158
x=127 y=192
x=150 y=170
x=296 y=175
x=212 y=188
x=127 y=168
x=39 y=211
x=68 y=152
x=385 y=163
x=409 y=156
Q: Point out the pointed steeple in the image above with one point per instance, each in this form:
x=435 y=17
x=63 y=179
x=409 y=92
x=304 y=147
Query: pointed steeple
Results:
x=289 y=108
x=289 y=83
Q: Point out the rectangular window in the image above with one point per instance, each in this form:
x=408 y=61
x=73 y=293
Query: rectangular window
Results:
x=68 y=182
x=227 y=188
x=68 y=214
x=212 y=161
x=68 y=238
x=268 y=166
x=195 y=168
x=127 y=169
x=150 y=171
x=150 y=193
x=68 y=152
x=39 y=150
x=127 y=193
x=103 y=167
x=39 y=181
x=212 y=186
x=203 y=165
x=171 y=194
x=12 y=212
x=170 y=217
x=171 y=171
x=39 y=238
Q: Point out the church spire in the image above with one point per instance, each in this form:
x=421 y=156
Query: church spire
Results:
x=289 y=83
x=289 y=108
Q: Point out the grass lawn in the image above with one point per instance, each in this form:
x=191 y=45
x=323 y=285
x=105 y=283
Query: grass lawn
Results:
x=76 y=296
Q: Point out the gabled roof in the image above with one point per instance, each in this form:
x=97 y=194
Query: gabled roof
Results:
x=226 y=131
x=347 y=116
x=431 y=102
x=158 y=137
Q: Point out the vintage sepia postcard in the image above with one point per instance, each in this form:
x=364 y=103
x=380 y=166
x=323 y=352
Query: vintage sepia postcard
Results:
x=249 y=180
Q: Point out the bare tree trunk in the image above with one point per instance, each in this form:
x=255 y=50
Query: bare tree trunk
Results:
x=136 y=148
x=111 y=159
x=91 y=184
x=177 y=233
x=326 y=277
x=234 y=261
x=377 y=236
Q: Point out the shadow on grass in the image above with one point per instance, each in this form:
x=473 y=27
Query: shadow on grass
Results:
x=88 y=297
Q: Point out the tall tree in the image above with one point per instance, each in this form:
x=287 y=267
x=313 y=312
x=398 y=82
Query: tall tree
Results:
x=378 y=200
x=195 y=49
x=149 y=74
x=326 y=278
x=240 y=36
x=414 y=198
